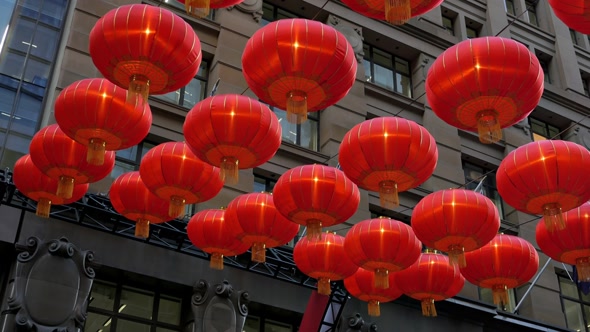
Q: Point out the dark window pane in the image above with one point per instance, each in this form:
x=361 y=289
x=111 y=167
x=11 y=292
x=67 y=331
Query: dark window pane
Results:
x=53 y=12
x=127 y=326
x=573 y=315
x=45 y=42
x=194 y=92
x=27 y=115
x=136 y=303
x=37 y=72
x=448 y=24
x=169 y=311
x=12 y=64
x=20 y=36
x=97 y=322
x=16 y=147
x=252 y=324
x=309 y=135
x=103 y=296
x=129 y=153
x=6 y=101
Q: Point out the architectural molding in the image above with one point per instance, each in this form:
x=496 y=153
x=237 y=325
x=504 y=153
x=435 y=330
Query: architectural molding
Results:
x=354 y=35
x=253 y=7
x=355 y=322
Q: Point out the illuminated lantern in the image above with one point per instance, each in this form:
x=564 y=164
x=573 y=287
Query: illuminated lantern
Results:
x=29 y=180
x=254 y=220
x=208 y=231
x=396 y=12
x=232 y=132
x=388 y=155
x=545 y=177
x=63 y=159
x=145 y=49
x=362 y=286
x=172 y=172
x=574 y=13
x=382 y=245
x=200 y=8
x=504 y=263
x=316 y=196
x=93 y=112
x=308 y=66
x=134 y=201
x=430 y=279
x=454 y=221
x=572 y=244
x=485 y=84
x=324 y=259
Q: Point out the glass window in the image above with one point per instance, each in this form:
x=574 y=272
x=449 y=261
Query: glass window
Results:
x=53 y=12
x=546 y=72
x=573 y=36
x=272 y=13
x=509 y=4
x=474 y=175
x=136 y=303
x=16 y=147
x=6 y=8
x=532 y=12
x=541 y=130
x=472 y=33
x=169 y=311
x=486 y=295
x=387 y=71
x=189 y=95
x=575 y=304
x=586 y=85
x=103 y=296
x=305 y=134
x=449 y=25
x=271 y=326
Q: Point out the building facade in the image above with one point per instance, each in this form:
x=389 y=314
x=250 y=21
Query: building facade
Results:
x=146 y=285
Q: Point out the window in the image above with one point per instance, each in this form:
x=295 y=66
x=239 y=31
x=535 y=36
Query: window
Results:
x=262 y=318
x=474 y=175
x=532 y=12
x=509 y=4
x=192 y=93
x=449 y=25
x=262 y=183
x=485 y=295
x=472 y=33
x=544 y=61
x=574 y=36
x=575 y=304
x=273 y=13
x=387 y=70
x=541 y=130
x=305 y=134
x=120 y=308
x=180 y=6
x=586 y=84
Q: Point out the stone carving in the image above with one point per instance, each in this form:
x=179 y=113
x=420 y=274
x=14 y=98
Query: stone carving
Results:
x=578 y=134
x=253 y=7
x=52 y=282
x=525 y=126
x=218 y=310
x=356 y=323
x=353 y=35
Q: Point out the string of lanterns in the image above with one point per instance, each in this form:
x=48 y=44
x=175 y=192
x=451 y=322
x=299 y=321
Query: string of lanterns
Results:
x=305 y=66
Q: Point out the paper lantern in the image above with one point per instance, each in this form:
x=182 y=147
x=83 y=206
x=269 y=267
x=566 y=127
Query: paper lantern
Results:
x=362 y=286
x=485 y=84
x=316 y=196
x=232 y=132
x=63 y=159
x=29 y=180
x=545 y=177
x=208 y=231
x=574 y=13
x=134 y=201
x=172 y=172
x=382 y=245
x=396 y=12
x=145 y=49
x=430 y=279
x=308 y=66
x=454 y=221
x=324 y=259
x=200 y=8
x=93 y=112
x=572 y=244
x=504 y=263
x=254 y=220
x=388 y=155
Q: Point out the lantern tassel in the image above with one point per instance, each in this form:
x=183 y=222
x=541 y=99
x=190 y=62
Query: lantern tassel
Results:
x=500 y=295
x=176 y=207
x=374 y=309
x=216 y=262
x=259 y=252
x=428 y=308
x=96 y=151
x=583 y=267
x=488 y=127
x=388 y=195
x=297 y=107
x=553 y=217
x=382 y=278
x=139 y=86
x=324 y=286
x=314 y=230
x=229 y=170
x=457 y=255
x=197 y=8
x=398 y=12
x=43 y=207
x=142 y=228
x=65 y=187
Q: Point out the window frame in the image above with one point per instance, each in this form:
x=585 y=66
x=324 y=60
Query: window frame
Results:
x=532 y=9
x=449 y=24
x=201 y=76
x=489 y=184
x=311 y=117
x=276 y=11
x=565 y=276
x=369 y=51
x=510 y=9
x=550 y=130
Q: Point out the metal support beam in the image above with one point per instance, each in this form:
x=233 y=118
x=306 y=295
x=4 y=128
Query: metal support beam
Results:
x=532 y=285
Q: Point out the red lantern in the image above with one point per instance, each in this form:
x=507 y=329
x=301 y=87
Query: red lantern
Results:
x=308 y=66
x=208 y=231
x=254 y=220
x=574 y=13
x=396 y=12
x=172 y=172
x=430 y=279
x=324 y=259
x=134 y=201
x=145 y=49
x=570 y=245
x=232 y=132
x=545 y=177
x=455 y=221
x=388 y=155
x=316 y=196
x=63 y=159
x=200 y=8
x=382 y=245
x=506 y=262
x=29 y=180
x=485 y=84
x=362 y=286
x=93 y=112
